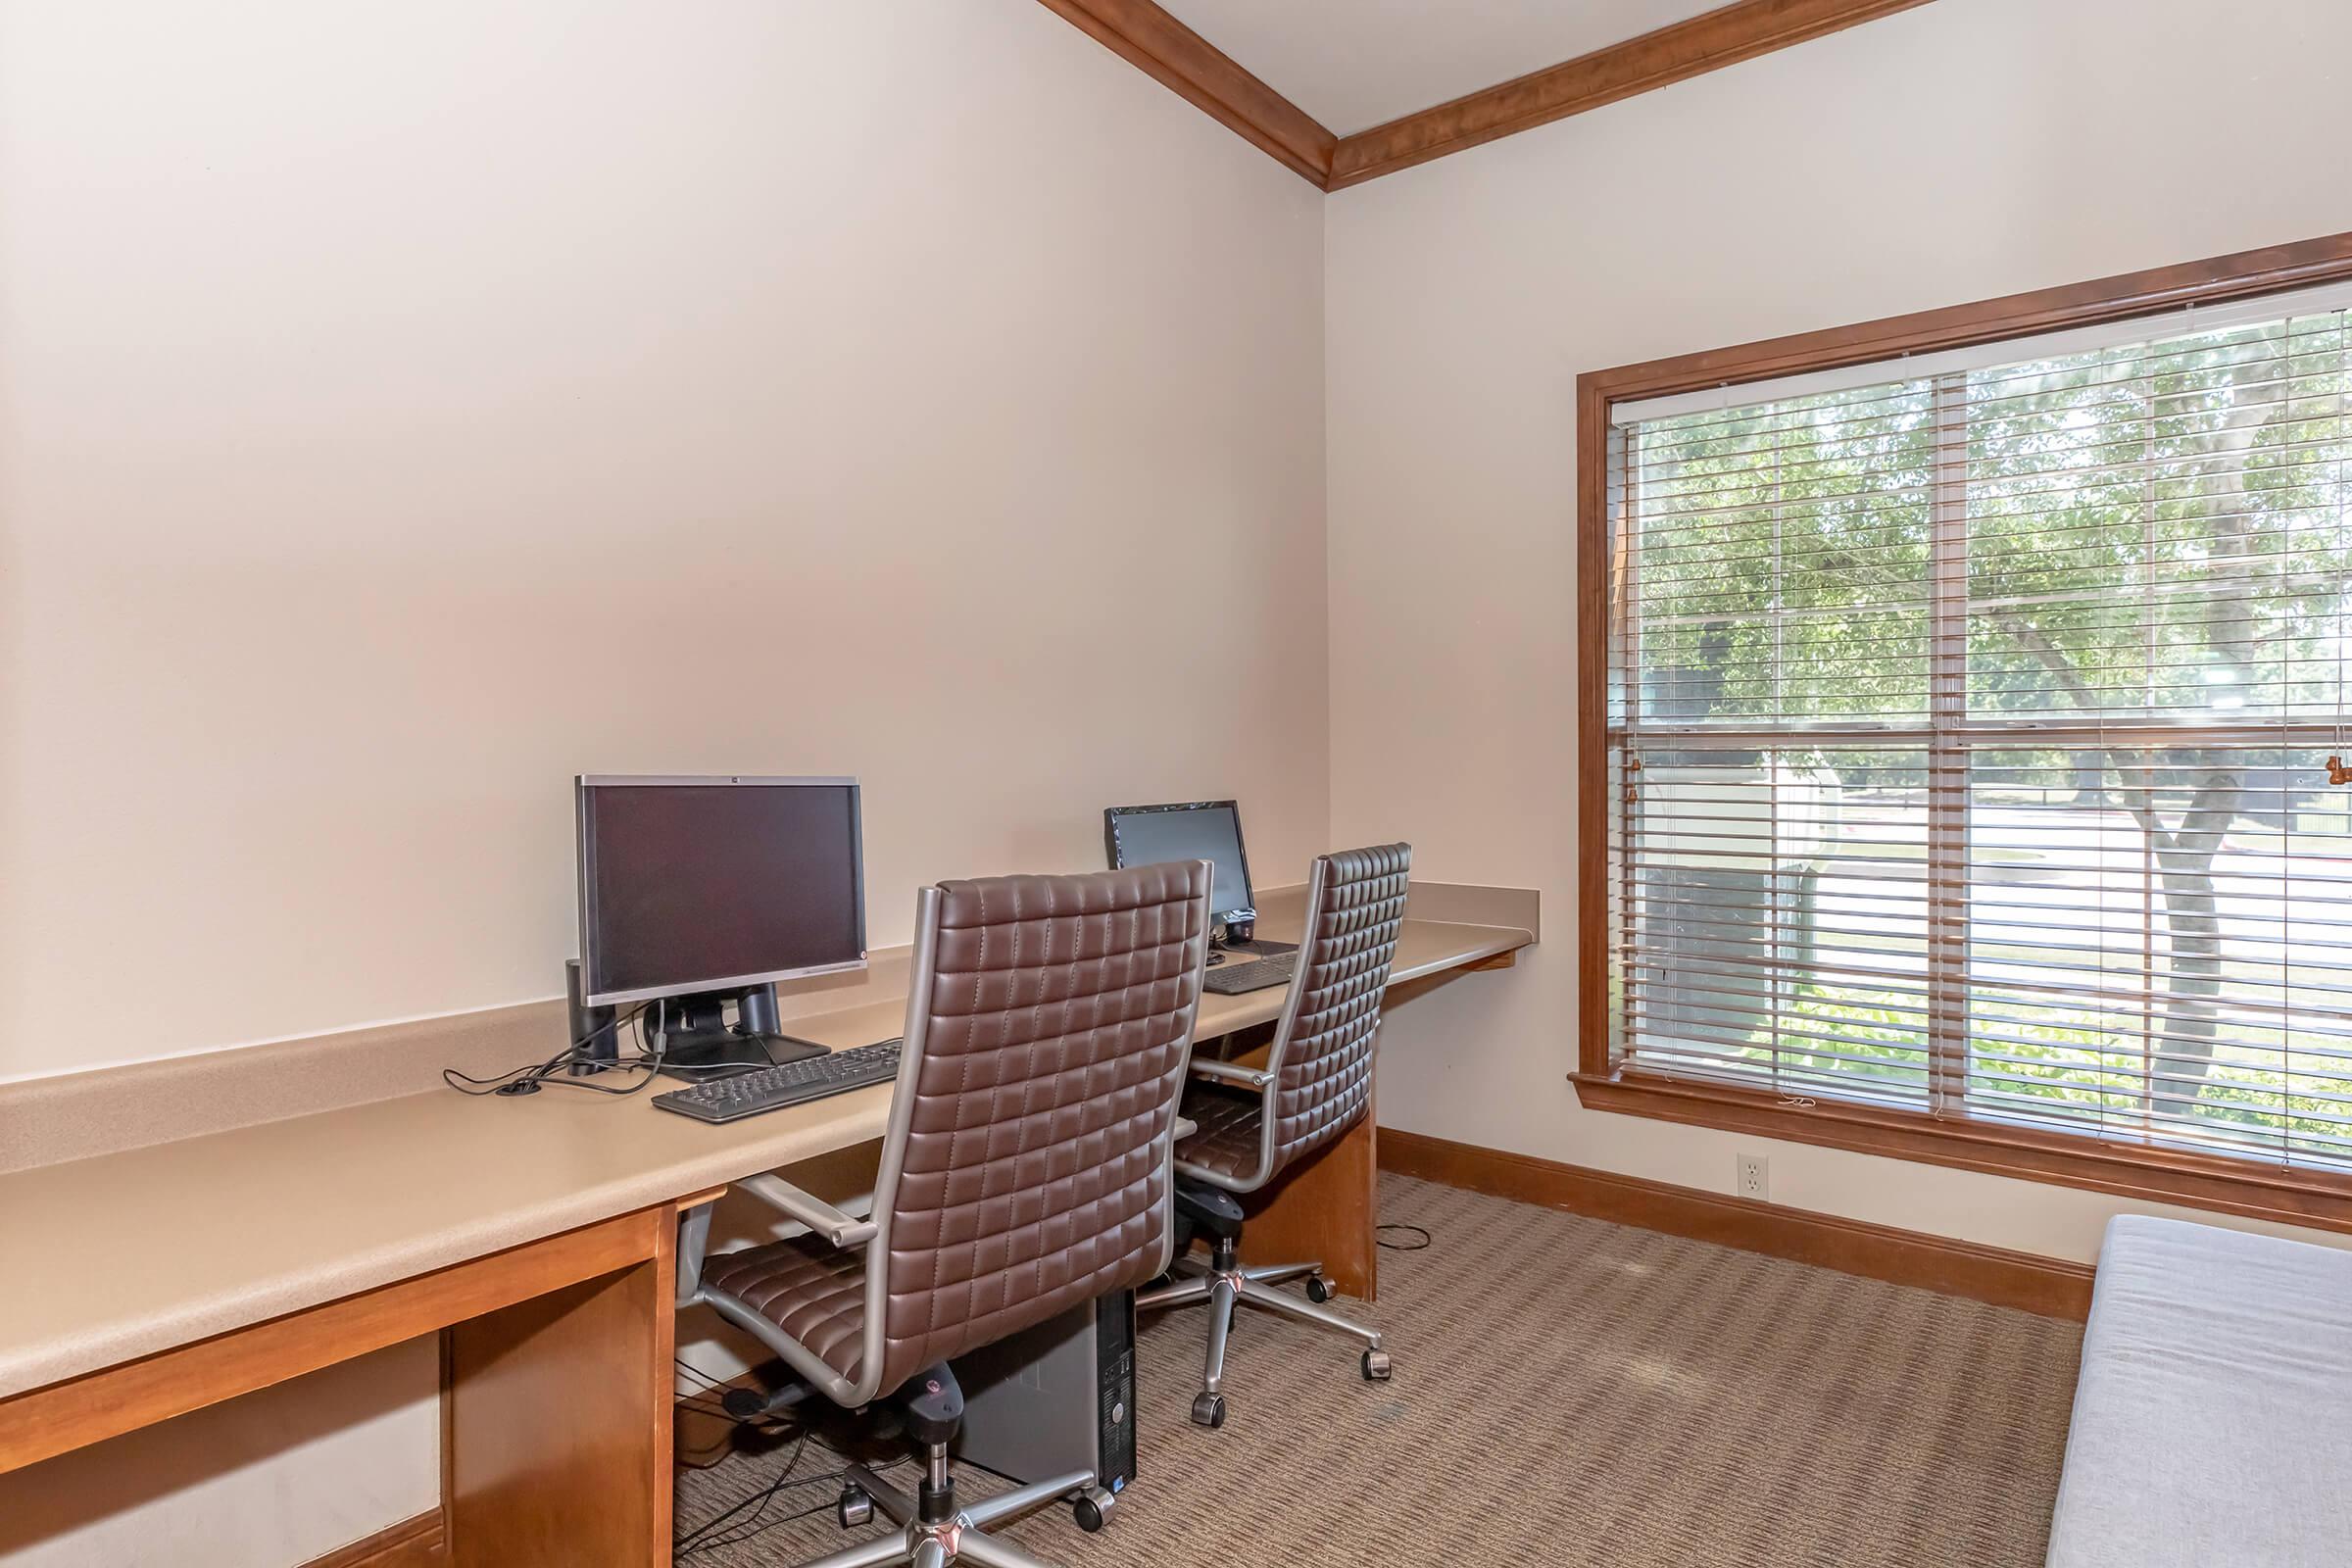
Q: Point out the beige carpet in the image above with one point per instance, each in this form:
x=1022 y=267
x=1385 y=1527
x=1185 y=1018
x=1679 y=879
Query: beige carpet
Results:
x=1567 y=1392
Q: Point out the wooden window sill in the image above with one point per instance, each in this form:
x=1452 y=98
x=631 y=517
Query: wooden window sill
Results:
x=2220 y=1183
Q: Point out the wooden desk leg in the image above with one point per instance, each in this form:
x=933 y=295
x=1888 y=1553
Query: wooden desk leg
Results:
x=1327 y=1208
x=556 y=1442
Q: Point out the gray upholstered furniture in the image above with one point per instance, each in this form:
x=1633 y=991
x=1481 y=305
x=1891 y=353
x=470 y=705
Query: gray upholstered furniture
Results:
x=1255 y=1124
x=2213 y=1416
x=1026 y=1171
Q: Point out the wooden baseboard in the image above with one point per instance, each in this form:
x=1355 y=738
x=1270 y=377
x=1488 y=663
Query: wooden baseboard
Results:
x=2048 y=1286
x=419 y=1542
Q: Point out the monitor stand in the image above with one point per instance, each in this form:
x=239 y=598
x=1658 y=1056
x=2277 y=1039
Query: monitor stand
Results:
x=701 y=1043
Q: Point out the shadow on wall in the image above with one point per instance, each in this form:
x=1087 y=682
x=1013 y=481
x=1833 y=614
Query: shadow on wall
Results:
x=360 y=1443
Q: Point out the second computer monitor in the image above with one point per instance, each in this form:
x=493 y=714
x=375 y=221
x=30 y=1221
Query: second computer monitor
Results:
x=1195 y=830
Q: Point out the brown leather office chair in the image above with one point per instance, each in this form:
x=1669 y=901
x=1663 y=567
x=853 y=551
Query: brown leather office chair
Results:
x=1254 y=1125
x=1026 y=1171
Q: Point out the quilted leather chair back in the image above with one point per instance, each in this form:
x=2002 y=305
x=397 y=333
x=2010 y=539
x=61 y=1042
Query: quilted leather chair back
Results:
x=1322 y=1053
x=1034 y=1167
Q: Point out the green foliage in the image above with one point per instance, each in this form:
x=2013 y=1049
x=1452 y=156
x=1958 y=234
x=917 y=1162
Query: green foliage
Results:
x=2151 y=534
x=2278 y=1094
x=2154 y=531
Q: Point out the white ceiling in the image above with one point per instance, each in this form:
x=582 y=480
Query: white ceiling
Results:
x=1353 y=63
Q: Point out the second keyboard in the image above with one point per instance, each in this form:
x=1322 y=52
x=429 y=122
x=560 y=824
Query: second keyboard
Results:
x=1232 y=979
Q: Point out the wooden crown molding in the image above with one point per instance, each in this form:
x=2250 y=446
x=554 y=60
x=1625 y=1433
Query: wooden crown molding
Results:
x=2047 y=1285
x=1705 y=42
x=1196 y=70
x=1165 y=49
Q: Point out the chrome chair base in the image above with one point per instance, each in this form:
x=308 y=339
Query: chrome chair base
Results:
x=1227 y=1285
x=957 y=1533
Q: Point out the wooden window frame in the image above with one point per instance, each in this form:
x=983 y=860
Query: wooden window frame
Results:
x=2227 y=1184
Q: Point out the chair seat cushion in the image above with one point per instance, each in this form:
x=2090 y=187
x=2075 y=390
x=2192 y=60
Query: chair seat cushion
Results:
x=1230 y=1134
x=813 y=1293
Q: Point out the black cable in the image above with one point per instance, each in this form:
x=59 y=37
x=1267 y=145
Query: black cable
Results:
x=734 y=1424
x=752 y=1528
x=554 y=1069
x=701 y=1404
x=704 y=1539
x=697 y=1374
x=560 y=1058
x=1404 y=1246
x=692 y=1538
x=700 y=1538
x=753 y=1532
x=707 y=1400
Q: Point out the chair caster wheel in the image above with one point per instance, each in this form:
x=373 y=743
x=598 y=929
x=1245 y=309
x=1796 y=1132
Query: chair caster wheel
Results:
x=854 y=1509
x=1092 y=1508
x=1376 y=1366
x=1318 y=1288
x=1208 y=1411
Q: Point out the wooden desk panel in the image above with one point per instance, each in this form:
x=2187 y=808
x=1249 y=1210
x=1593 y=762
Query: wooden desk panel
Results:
x=556 y=1365
x=210 y=1234
x=136 y=1394
x=1325 y=1210
x=571 y=1386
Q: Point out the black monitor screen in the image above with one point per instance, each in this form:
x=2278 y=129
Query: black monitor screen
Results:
x=688 y=885
x=1211 y=830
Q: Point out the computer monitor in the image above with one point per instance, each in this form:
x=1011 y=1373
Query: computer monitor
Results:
x=700 y=892
x=1195 y=830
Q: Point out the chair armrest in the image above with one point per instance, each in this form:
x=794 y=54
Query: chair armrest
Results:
x=842 y=1230
x=1231 y=1072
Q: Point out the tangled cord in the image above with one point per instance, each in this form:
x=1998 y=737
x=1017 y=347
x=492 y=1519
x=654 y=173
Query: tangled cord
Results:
x=555 y=1071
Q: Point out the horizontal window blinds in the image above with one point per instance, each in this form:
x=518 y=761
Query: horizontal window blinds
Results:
x=1968 y=737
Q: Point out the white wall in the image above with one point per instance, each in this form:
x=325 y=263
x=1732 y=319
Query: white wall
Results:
x=406 y=407
x=281 y=1476
x=1960 y=151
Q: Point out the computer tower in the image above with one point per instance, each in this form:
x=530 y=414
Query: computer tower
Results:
x=1056 y=1397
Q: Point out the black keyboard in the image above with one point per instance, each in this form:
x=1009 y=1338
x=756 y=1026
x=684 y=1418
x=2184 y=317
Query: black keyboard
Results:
x=1261 y=947
x=748 y=1094
x=1231 y=979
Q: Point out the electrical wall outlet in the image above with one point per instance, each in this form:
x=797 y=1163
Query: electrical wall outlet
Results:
x=1754 y=1178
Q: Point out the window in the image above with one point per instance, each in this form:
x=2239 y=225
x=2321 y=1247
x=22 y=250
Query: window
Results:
x=1964 y=745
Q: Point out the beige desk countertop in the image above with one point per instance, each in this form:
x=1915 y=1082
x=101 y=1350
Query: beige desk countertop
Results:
x=108 y=1258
